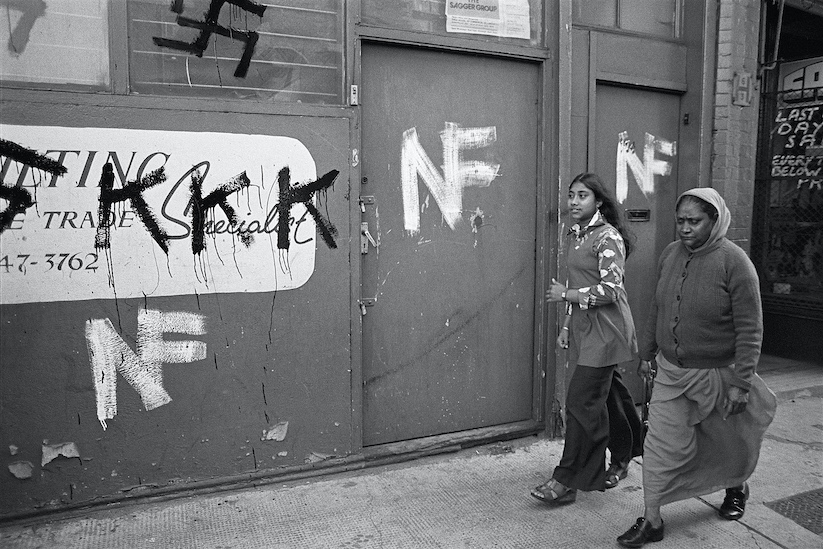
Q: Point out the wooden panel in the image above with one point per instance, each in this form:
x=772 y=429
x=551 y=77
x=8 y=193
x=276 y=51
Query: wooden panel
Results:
x=640 y=61
x=295 y=53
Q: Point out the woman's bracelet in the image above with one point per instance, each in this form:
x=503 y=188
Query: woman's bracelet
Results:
x=565 y=328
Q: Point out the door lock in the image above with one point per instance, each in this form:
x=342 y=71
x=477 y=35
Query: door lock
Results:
x=366 y=302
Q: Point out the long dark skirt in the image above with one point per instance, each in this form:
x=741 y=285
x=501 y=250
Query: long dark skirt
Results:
x=600 y=414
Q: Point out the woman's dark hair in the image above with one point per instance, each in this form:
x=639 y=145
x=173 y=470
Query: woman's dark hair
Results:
x=707 y=208
x=608 y=207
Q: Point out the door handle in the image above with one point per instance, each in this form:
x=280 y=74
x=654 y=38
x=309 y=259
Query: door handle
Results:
x=366 y=238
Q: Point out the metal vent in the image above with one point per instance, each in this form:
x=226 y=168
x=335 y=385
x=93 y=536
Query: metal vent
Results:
x=805 y=509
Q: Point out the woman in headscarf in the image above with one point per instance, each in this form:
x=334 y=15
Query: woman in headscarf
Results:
x=709 y=409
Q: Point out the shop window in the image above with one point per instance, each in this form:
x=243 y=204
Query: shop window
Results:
x=56 y=44
x=290 y=51
x=654 y=17
x=788 y=241
x=518 y=22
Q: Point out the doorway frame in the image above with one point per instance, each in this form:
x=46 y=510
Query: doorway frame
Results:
x=543 y=375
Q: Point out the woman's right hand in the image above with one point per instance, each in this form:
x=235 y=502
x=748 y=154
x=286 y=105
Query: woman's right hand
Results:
x=644 y=368
x=563 y=339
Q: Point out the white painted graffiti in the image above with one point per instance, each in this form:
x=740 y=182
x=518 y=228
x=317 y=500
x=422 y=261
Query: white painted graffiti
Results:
x=447 y=189
x=644 y=171
x=109 y=354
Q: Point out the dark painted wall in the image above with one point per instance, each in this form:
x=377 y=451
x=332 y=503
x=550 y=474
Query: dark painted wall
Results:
x=271 y=357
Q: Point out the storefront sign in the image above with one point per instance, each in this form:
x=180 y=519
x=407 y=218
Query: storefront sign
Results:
x=53 y=250
x=797 y=134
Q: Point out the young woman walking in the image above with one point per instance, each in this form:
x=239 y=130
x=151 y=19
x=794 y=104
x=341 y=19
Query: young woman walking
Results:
x=599 y=332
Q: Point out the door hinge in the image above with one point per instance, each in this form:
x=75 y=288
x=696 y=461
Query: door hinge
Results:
x=354 y=96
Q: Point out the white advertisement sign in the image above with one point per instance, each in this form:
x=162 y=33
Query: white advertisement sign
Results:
x=504 y=18
x=49 y=252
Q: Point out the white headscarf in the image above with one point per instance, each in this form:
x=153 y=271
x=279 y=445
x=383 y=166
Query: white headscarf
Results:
x=724 y=216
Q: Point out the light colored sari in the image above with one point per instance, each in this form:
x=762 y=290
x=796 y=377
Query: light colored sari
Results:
x=690 y=449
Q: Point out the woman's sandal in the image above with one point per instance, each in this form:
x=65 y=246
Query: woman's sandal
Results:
x=616 y=472
x=554 y=493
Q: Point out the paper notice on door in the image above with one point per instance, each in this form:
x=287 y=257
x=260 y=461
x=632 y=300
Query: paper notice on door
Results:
x=505 y=18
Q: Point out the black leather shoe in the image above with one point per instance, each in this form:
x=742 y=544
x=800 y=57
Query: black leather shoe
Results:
x=734 y=505
x=615 y=473
x=640 y=533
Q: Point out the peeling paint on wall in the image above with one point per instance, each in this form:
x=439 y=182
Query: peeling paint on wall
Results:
x=277 y=432
x=317 y=457
x=21 y=469
x=53 y=451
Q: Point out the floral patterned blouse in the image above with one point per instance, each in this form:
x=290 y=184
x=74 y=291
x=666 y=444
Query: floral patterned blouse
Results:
x=611 y=258
x=602 y=328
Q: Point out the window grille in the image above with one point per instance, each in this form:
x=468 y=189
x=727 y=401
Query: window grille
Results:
x=787 y=241
x=288 y=51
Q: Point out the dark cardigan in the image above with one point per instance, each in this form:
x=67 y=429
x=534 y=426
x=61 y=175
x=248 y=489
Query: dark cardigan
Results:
x=706 y=312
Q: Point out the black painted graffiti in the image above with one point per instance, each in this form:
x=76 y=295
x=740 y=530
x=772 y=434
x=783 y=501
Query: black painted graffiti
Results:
x=210 y=26
x=198 y=207
x=20 y=199
x=302 y=194
x=30 y=10
x=133 y=192
x=217 y=197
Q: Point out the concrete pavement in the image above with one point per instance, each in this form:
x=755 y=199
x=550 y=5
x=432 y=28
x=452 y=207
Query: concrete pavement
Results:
x=477 y=497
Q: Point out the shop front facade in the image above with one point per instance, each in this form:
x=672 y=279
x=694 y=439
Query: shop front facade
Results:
x=788 y=202
x=244 y=240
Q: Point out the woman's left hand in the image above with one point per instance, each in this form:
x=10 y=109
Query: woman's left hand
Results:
x=555 y=291
x=736 y=401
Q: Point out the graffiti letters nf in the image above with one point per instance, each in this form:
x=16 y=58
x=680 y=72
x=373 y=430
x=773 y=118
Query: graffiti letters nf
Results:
x=447 y=189
x=19 y=36
x=20 y=199
x=644 y=171
x=133 y=192
x=303 y=194
x=109 y=355
x=209 y=26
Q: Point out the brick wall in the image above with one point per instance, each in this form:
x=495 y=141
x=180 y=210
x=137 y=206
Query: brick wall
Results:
x=735 y=127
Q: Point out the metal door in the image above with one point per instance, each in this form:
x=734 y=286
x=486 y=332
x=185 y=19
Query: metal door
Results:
x=636 y=149
x=449 y=204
